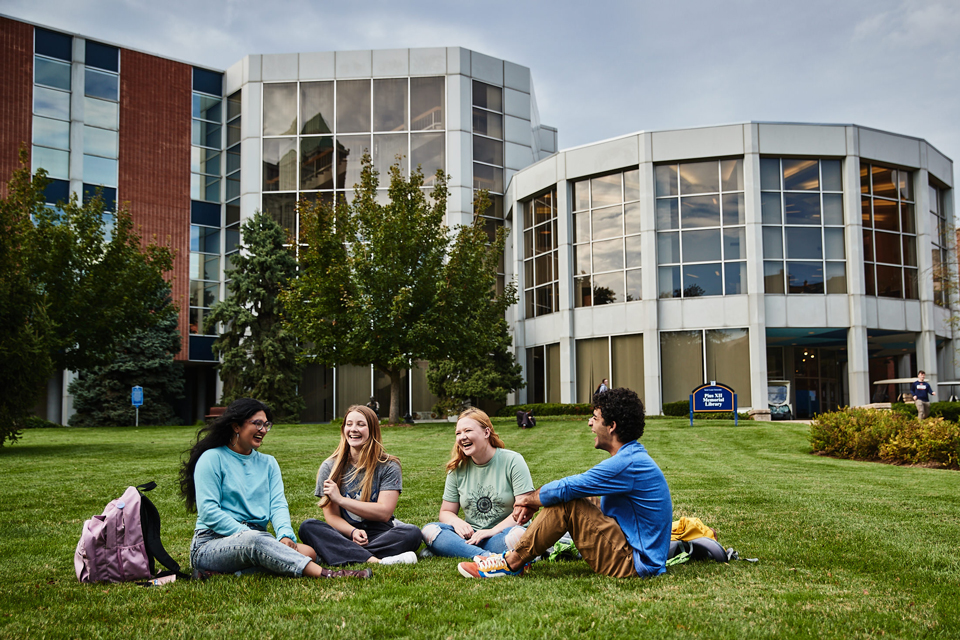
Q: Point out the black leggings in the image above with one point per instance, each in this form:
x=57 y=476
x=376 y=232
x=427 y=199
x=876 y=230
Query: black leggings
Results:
x=385 y=539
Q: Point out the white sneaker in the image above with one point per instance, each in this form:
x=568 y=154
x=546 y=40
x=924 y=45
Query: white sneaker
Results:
x=404 y=558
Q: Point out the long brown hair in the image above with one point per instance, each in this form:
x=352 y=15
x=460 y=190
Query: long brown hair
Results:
x=457 y=456
x=371 y=455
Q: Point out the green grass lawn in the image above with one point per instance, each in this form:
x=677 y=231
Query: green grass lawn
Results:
x=847 y=549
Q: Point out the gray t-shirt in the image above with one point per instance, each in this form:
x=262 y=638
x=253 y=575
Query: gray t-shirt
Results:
x=386 y=477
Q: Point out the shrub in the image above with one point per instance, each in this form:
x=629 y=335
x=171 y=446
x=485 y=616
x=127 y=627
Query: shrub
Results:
x=547 y=409
x=681 y=409
x=932 y=440
x=946 y=410
x=36 y=422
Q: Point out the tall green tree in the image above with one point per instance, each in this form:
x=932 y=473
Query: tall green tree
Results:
x=72 y=288
x=101 y=395
x=258 y=352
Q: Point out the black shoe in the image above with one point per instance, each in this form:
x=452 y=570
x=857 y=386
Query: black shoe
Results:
x=198 y=574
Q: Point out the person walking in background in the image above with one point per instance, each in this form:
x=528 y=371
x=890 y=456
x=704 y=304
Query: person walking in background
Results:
x=922 y=391
x=602 y=387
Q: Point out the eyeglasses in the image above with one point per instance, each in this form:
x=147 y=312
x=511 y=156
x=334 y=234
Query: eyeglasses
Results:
x=261 y=425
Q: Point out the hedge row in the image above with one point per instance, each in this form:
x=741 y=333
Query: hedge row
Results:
x=892 y=436
x=547 y=409
x=681 y=409
x=946 y=410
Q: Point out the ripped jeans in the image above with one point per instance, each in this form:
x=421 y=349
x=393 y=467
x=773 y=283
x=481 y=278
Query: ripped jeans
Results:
x=442 y=540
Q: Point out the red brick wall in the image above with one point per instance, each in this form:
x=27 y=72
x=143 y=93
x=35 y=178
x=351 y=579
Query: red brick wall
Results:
x=16 y=98
x=154 y=180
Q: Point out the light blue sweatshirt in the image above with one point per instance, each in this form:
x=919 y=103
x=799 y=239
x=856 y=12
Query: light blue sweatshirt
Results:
x=233 y=489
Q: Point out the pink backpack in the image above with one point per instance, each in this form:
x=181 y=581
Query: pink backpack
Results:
x=121 y=544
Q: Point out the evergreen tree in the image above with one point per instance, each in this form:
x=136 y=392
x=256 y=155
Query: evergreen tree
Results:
x=258 y=353
x=102 y=394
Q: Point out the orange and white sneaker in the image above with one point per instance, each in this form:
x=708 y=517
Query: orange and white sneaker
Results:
x=494 y=566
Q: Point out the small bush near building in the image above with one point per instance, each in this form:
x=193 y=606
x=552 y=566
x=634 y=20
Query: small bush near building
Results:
x=547 y=409
x=946 y=410
x=891 y=436
x=681 y=409
x=36 y=422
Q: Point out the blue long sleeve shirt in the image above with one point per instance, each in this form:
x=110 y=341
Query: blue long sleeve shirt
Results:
x=635 y=494
x=233 y=489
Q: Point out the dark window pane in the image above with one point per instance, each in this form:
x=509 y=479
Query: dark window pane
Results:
x=910 y=253
x=868 y=279
x=805 y=277
x=884 y=182
x=316 y=107
x=531 y=310
x=205 y=213
x=53 y=44
x=543 y=269
x=801 y=208
x=770 y=208
x=668 y=282
x=233 y=159
x=699 y=177
x=102 y=56
x=233 y=213
x=668 y=213
x=207 y=107
x=487 y=150
x=206 y=134
x=207 y=81
x=735 y=278
x=865 y=216
x=204 y=240
x=487 y=177
x=101 y=85
x=280 y=164
x=390 y=104
x=702 y=280
x=232 y=238
x=804 y=243
x=868 y=245
x=700 y=211
x=56 y=191
x=108 y=194
x=543 y=240
x=426 y=104
x=201 y=348
x=733 y=209
x=605 y=190
x=699 y=246
x=885 y=215
x=907 y=218
x=543 y=208
x=353 y=106
x=282 y=207
x=544 y=298
x=582 y=292
x=51 y=73
x=487 y=123
x=666 y=175
x=773 y=277
x=316 y=163
x=887 y=247
x=487 y=96
x=234 y=105
x=831 y=175
x=889 y=281
x=801 y=175
x=608 y=288
x=911 y=289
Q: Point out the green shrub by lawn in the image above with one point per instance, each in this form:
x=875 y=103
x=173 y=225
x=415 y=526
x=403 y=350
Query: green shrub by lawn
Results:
x=946 y=410
x=547 y=409
x=892 y=436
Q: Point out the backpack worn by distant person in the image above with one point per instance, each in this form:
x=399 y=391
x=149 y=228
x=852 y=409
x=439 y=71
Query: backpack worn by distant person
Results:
x=123 y=543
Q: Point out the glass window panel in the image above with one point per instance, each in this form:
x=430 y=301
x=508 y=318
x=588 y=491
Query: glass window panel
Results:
x=728 y=360
x=887 y=247
x=608 y=222
x=487 y=150
x=666 y=176
x=581 y=195
x=668 y=213
x=233 y=159
x=805 y=277
x=608 y=288
x=51 y=133
x=201 y=160
x=487 y=177
x=668 y=282
x=232 y=242
x=427 y=152
x=832 y=208
x=581 y=259
x=386 y=148
x=772 y=242
x=528 y=243
x=495 y=210
x=196 y=186
x=543 y=238
x=836 y=277
x=910 y=252
x=487 y=123
x=207 y=107
x=316 y=163
x=101 y=113
x=911 y=289
x=801 y=208
x=734 y=243
x=735 y=278
x=58 y=191
x=233 y=213
x=865 y=216
x=668 y=247
x=631 y=185
x=886 y=215
x=316 y=107
x=100 y=171
x=280 y=109
x=773 y=277
x=57 y=163
x=353 y=106
x=581 y=227
x=282 y=207
x=543 y=208
x=544 y=300
x=102 y=142
x=206 y=134
x=232 y=187
x=582 y=292
x=889 y=281
x=390 y=104
x=48 y=102
x=279 y=164
x=51 y=73
x=631 y=217
x=528 y=273
x=53 y=43
x=700 y=211
x=234 y=105
x=733 y=209
x=884 y=181
x=543 y=268
x=98 y=84
x=803 y=243
x=680 y=347
x=204 y=239
x=233 y=133
x=530 y=309
x=701 y=245
x=350 y=150
x=833 y=244
x=607 y=255
x=770 y=174
x=770 y=208
x=605 y=190
x=864 y=178
x=487 y=96
x=905 y=183
x=936 y=228
x=633 y=247
x=731 y=175
x=868 y=280
x=197 y=317
x=801 y=175
x=699 y=177
x=830 y=174
x=211 y=188
x=868 y=245
x=907 y=218
x=426 y=104
x=702 y=280
x=634 y=285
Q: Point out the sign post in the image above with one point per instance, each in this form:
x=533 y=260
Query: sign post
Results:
x=713 y=398
x=136 y=397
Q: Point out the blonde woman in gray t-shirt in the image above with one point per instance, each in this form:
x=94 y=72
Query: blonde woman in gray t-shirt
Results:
x=483 y=478
x=359 y=486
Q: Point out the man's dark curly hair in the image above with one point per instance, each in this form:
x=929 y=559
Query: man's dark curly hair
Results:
x=624 y=407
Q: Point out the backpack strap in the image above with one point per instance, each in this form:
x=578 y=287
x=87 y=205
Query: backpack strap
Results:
x=150 y=522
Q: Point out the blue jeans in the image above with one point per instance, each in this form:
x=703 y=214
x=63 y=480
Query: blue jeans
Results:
x=245 y=551
x=442 y=540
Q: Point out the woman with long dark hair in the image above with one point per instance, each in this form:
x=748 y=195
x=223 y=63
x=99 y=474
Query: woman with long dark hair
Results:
x=483 y=478
x=358 y=487
x=236 y=492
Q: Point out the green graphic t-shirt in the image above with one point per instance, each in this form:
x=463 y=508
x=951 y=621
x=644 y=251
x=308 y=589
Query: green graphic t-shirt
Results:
x=486 y=492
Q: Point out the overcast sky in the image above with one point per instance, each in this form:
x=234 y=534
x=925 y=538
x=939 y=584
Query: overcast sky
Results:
x=604 y=68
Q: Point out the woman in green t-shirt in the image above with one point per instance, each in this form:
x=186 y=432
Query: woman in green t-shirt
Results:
x=483 y=478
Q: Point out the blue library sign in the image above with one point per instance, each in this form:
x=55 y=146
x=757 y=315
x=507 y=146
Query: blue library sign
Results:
x=136 y=396
x=713 y=398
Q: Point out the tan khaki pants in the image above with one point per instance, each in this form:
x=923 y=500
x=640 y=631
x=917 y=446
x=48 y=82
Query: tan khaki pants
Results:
x=599 y=539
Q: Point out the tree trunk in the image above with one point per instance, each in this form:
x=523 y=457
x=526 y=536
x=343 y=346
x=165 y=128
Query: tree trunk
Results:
x=394 y=395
